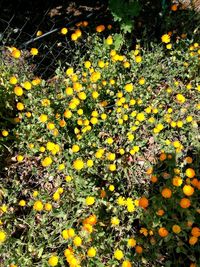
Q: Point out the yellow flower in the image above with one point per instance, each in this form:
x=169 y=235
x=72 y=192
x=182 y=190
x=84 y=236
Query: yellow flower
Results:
x=94 y=120
x=46 y=162
x=61 y=167
x=69 y=71
x=20 y=158
x=121 y=201
x=138 y=59
x=89 y=201
x=180 y=98
x=68 y=114
x=4 y=208
x=90 y=163
x=140 y=116
x=48 y=207
x=169 y=46
x=82 y=95
x=95 y=94
x=13 y=80
x=69 y=91
x=142 y=81
x=75 y=148
x=53 y=261
x=20 y=106
x=65 y=234
x=112 y=167
x=22 y=203
x=77 y=241
x=111 y=188
x=130 y=207
x=78 y=164
x=126 y=64
x=101 y=64
x=131 y=242
x=15 y=53
x=28 y=114
x=109 y=140
x=39 y=33
x=118 y=254
x=165 y=38
x=35 y=194
x=68 y=178
x=87 y=64
x=56 y=196
x=109 y=40
x=115 y=221
x=176 y=144
x=64 y=31
x=91 y=252
x=34 y=51
x=4 y=133
x=159 y=126
x=103 y=116
x=128 y=87
x=36 y=81
x=43 y=118
x=95 y=76
x=189 y=118
x=111 y=156
x=27 y=85
x=38 y=205
x=126 y=264
x=179 y=124
x=71 y=232
x=2 y=236
x=176 y=229
x=45 y=102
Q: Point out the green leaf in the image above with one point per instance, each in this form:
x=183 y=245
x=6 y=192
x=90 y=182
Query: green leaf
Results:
x=127 y=26
x=118 y=41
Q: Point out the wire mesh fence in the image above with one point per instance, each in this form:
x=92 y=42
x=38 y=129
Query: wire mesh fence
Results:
x=26 y=25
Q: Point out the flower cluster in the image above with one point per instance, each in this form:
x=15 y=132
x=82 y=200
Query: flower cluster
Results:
x=103 y=172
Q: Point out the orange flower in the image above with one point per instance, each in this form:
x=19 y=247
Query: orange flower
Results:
x=163 y=157
x=195 y=231
x=166 y=193
x=154 y=179
x=195 y=182
x=138 y=249
x=193 y=240
x=185 y=203
x=160 y=212
x=92 y=220
x=102 y=193
x=177 y=181
x=174 y=7
x=149 y=171
x=163 y=232
x=188 y=160
x=100 y=28
x=143 y=202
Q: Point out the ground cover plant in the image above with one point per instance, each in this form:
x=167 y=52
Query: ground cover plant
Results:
x=103 y=159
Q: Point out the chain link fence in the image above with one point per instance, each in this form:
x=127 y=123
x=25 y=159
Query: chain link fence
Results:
x=21 y=21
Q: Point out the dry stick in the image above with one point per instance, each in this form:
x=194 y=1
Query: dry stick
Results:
x=57 y=29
